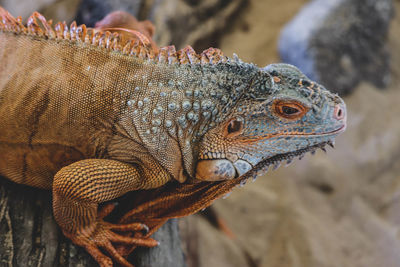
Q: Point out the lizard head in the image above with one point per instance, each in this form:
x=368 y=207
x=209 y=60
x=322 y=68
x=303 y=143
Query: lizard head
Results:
x=281 y=115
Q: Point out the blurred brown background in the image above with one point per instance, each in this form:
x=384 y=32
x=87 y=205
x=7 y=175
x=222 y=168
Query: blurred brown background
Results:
x=336 y=209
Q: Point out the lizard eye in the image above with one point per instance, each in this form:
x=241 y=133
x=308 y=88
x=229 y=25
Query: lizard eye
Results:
x=234 y=127
x=289 y=109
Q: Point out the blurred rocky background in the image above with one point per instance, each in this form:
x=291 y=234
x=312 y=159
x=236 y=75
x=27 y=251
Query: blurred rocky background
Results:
x=340 y=42
x=328 y=210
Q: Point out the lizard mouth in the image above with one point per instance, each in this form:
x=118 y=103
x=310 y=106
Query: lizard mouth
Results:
x=333 y=132
x=263 y=166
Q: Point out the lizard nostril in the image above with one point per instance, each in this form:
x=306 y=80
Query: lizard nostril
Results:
x=339 y=112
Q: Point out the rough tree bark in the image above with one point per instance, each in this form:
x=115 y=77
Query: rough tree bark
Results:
x=29 y=236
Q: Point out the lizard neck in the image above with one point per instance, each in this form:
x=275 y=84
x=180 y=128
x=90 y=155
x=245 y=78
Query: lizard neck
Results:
x=170 y=107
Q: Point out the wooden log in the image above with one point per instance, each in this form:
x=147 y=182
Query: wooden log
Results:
x=29 y=236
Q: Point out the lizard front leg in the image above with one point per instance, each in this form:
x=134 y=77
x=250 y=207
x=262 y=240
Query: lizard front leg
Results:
x=79 y=188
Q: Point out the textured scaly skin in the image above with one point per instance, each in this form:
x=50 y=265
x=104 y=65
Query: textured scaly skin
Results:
x=92 y=115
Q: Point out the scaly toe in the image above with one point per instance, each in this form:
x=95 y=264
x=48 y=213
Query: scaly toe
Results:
x=144 y=242
x=129 y=227
x=115 y=255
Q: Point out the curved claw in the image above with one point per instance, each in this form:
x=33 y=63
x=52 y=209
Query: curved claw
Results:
x=146 y=229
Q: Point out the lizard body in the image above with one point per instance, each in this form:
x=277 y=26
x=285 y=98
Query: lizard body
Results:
x=92 y=115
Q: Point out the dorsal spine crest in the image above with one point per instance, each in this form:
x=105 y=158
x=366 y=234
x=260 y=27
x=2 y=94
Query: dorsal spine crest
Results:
x=138 y=47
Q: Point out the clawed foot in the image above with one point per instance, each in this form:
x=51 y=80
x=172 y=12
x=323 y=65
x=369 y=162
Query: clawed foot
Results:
x=102 y=235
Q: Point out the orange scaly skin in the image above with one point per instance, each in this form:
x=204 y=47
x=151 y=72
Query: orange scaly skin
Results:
x=93 y=115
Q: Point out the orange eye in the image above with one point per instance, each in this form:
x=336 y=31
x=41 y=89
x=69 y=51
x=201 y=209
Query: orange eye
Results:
x=289 y=109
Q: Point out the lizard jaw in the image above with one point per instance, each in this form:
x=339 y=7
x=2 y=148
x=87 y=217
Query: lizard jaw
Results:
x=263 y=166
x=224 y=169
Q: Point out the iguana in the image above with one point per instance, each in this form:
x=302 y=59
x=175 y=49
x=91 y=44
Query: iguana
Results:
x=92 y=115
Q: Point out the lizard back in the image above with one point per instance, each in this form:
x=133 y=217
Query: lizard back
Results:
x=62 y=102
